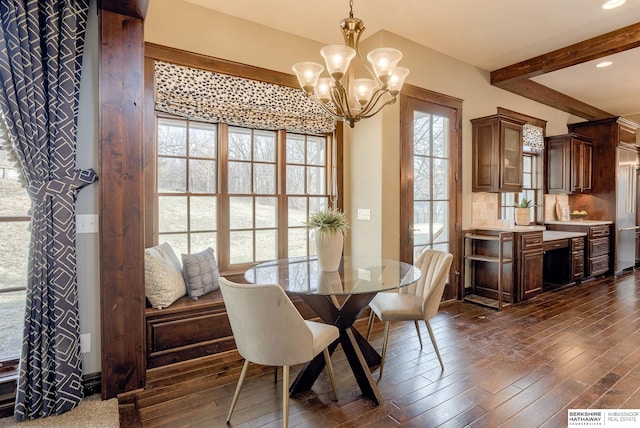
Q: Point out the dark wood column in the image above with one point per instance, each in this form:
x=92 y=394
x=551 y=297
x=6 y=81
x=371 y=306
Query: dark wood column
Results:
x=122 y=298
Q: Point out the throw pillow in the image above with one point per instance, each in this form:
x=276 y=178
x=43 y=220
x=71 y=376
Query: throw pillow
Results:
x=200 y=272
x=163 y=281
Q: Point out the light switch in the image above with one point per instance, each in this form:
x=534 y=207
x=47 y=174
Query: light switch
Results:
x=364 y=214
x=87 y=223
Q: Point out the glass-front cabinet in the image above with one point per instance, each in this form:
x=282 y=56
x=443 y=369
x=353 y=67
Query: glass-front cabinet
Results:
x=497 y=154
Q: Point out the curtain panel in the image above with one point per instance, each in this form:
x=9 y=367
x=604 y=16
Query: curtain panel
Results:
x=41 y=45
x=206 y=95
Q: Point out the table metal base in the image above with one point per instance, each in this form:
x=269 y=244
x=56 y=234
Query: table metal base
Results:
x=359 y=352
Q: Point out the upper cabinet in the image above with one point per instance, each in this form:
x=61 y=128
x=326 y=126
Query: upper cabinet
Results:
x=497 y=154
x=568 y=164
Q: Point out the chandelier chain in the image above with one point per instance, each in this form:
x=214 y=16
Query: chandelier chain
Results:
x=350 y=8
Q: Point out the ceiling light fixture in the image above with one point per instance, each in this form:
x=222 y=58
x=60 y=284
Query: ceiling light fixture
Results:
x=604 y=64
x=612 y=4
x=343 y=96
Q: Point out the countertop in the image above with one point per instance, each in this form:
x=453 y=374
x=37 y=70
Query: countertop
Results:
x=582 y=222
x=554 y=235
x=532 y=228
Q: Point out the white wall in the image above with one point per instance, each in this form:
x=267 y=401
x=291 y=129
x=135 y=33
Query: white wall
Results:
x=372 y=150
x=87 y=244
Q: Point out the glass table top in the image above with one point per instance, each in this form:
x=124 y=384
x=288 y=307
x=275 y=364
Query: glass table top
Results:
x=356 y=275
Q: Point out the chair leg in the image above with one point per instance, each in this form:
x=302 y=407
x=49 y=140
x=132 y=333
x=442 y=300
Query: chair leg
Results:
x=327 y=359
x=387 y=324
x=418 y=331
x=285 y=396
x=370 y=325
x=238 y=387
x=435 y=345
x=275 y=374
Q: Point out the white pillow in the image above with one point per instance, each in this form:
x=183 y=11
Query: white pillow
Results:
x=163 y=280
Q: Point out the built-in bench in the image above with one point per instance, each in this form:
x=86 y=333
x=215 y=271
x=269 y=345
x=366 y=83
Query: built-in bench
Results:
x=190 y=329
x=187 y=329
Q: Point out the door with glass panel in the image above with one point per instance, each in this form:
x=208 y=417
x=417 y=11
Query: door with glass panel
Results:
x=429 y=212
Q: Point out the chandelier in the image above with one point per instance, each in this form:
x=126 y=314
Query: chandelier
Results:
x=342 y=96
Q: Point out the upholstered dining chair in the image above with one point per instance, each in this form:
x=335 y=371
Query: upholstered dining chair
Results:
x=269 y=330
x=420 y=301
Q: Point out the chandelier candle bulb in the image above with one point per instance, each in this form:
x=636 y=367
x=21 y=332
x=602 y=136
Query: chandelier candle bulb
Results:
x=352 y=99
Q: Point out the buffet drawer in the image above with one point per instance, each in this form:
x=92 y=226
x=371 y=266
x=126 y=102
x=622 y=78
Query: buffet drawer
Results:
x=599 y=265
x=599 y=231
x=577 y=244
x=531 y=241
x=598 y=247
x=555 y=245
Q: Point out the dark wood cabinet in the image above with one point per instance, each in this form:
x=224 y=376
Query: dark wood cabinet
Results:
x=488 y=268
x=607 y=135
x=576 y=246
x=503 y=267
x=597 y=251
x=529 y=263
x=569 y=164
x=563 y=261
x=497 y=154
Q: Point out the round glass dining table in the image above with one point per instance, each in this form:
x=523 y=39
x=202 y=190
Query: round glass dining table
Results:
x=338 y=298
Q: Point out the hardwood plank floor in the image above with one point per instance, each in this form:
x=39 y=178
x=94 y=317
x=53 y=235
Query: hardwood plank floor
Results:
x=577 y=347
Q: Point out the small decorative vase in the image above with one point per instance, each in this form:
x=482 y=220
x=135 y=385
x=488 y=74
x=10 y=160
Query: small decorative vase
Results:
x=523 y=217
x=329 y=250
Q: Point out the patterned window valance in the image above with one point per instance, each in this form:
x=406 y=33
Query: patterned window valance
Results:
x=533 y=136
x=206 y=95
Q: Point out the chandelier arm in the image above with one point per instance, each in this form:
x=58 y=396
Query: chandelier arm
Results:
x=367 y=65
x=324 y=107
x=387 y=103
x=341 y=99
x=377 y=95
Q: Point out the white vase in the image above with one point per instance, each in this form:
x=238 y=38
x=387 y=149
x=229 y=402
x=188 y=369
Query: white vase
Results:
x=329 y=250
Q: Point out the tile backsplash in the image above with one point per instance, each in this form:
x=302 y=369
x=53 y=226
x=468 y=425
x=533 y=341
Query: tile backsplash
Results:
x=485 y=211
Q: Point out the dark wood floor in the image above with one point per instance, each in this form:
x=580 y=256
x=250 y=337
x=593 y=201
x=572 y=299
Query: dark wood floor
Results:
x=525 y=366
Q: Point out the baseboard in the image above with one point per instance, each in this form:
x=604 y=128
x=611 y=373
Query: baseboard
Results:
x=91 y=383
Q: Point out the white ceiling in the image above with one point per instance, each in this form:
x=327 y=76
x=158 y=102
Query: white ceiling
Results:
x=489 y=34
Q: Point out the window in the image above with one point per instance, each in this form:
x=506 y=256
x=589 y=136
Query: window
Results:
x=243 y=192
x=14 y=251
x=187 y=188
x=530 y=188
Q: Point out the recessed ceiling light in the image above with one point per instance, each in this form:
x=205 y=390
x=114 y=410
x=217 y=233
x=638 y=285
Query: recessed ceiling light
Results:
x=604 y=64
x=612 y=4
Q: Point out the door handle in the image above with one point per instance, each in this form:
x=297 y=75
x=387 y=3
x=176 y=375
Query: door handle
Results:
x=624 y=229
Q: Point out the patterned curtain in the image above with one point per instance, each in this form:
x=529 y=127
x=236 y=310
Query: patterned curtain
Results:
x=41 y=44
x=214 y=97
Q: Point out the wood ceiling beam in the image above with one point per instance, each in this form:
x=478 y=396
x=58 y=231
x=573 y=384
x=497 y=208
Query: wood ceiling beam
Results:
x=597 y=47
x=516 y=78
x=545 y=95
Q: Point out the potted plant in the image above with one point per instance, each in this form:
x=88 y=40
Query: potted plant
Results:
x=330 y=226
x=523 y=212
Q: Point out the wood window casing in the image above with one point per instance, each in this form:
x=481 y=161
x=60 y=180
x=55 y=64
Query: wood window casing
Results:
x=334 y=150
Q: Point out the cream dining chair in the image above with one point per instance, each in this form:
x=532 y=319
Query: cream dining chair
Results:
x=269 y=330
x=420 y=301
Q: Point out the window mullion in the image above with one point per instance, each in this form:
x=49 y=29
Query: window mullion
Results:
x=281 y=191
x=223 y=205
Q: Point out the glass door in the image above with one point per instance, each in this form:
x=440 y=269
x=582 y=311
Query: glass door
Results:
x=430 y=192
